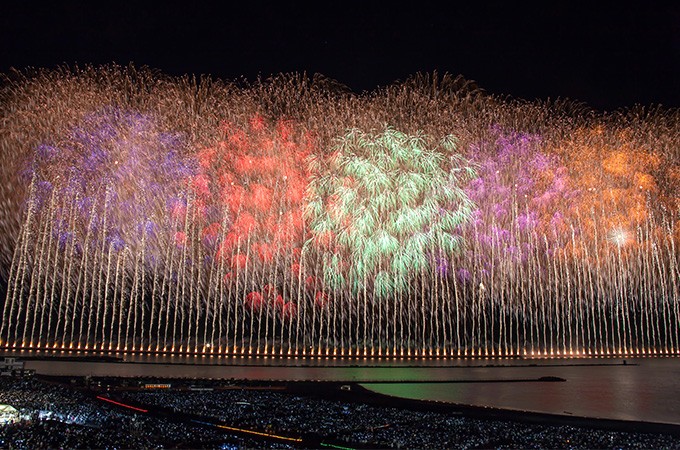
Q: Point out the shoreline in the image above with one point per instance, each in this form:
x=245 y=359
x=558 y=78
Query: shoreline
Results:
x=331 y=389
x=6 y=351
x=360 y=394
x=337 y=391
x=332 y=362
x=481 y=425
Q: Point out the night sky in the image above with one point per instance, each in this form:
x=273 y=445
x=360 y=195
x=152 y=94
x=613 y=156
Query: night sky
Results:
x=608 y=56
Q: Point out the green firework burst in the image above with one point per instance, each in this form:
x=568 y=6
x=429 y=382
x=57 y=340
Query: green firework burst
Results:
x=384 y=206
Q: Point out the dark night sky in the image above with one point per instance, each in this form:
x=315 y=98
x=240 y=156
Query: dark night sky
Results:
x=607 y=55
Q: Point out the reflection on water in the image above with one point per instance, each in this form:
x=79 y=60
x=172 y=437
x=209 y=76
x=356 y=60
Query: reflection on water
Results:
x=644 y=390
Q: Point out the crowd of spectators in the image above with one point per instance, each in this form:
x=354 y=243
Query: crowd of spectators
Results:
x=53 y=415
x=57 y=415
x=387 y=427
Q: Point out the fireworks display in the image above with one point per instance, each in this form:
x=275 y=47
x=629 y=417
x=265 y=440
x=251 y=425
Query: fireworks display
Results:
x=142 y=213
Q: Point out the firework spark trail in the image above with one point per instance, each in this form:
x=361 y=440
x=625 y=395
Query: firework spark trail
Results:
x=377 y=214
x=144 y=213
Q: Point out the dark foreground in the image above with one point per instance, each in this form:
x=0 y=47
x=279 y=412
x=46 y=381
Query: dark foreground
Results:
x=145 y=413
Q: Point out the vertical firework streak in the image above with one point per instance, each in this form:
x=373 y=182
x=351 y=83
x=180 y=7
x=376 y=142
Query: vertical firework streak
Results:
x=383 y=214
x=98 y=196
x=245 y=236
x=586 y=233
